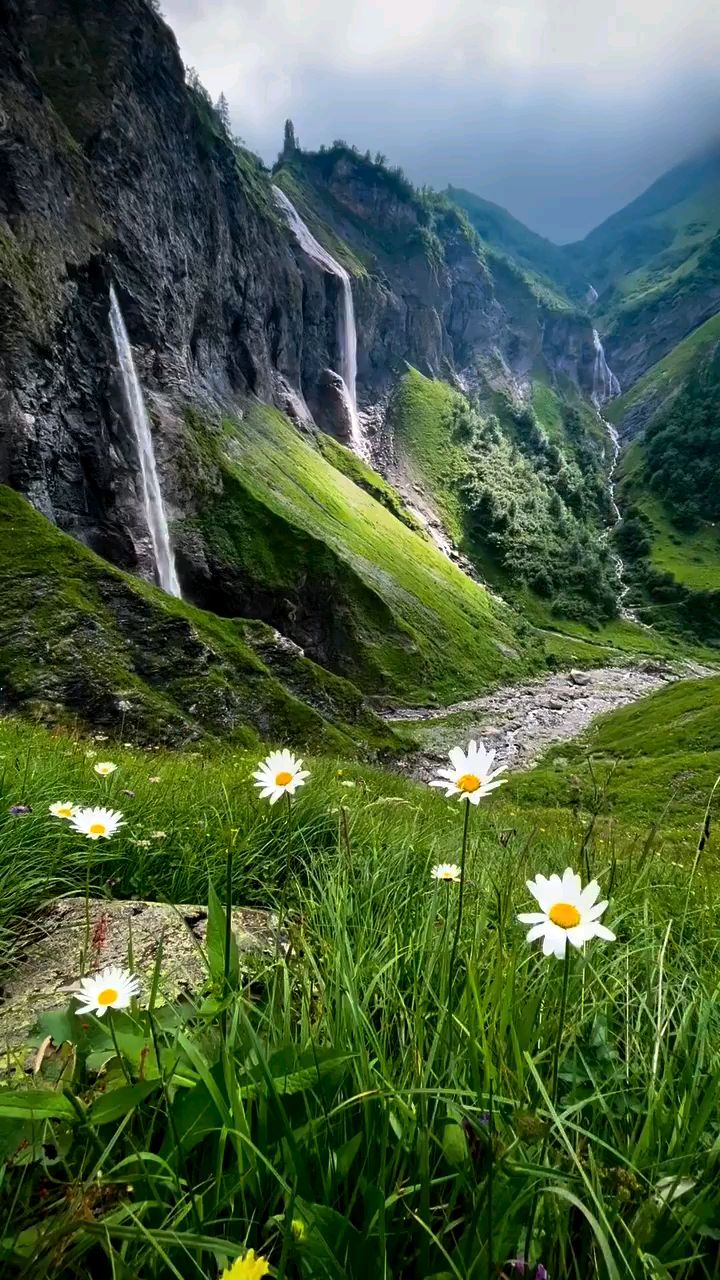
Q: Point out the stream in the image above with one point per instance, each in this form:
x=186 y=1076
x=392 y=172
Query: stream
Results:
x=522 y=721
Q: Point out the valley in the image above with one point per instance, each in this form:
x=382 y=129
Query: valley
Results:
x=310 y=479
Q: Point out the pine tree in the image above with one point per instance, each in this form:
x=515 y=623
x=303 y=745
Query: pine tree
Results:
x=223 y=110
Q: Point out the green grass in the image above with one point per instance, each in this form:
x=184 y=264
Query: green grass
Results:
x=420 y=417
x=667 y=376
x=114 y=639
x=653 y=761
x=397 y=617
x=363 y=1108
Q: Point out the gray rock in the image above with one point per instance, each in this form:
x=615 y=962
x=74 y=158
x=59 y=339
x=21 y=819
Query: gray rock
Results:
x=53 y=966
x=580 y=677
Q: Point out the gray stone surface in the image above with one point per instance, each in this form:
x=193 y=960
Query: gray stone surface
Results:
x=521 y=722
x=53 y=966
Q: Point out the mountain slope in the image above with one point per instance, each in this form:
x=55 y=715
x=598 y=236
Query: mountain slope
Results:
x=499 y=229
x=80 y=640
x=656 y=265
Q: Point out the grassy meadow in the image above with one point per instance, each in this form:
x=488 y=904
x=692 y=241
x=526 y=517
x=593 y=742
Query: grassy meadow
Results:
x=368 y=1105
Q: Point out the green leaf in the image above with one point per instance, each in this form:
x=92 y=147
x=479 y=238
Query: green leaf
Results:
x=345 y=1154
x=39 y=1104
x=216 y=930
x=120 y=1102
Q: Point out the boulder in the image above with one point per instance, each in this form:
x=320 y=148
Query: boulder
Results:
x=52 y=968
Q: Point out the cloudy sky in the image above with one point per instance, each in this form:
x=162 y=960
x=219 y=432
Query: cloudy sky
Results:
x=561 y=110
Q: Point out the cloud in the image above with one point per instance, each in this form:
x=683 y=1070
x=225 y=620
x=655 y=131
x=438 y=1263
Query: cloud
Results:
x=561 y=109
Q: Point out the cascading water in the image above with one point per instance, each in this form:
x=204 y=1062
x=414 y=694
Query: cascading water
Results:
x=605 y=384
x=137 y=413
x=347 y=332
x=605 y=387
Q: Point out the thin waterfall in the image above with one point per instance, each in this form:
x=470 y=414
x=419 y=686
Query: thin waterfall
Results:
x=137 y=413
x=605 y=387
x=605 y=384
x=347 y=331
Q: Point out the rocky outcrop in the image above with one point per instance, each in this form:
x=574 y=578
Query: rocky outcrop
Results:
x=113 y=170
x=65 y=949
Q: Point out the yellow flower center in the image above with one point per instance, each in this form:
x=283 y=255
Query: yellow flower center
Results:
x=98 y=829
x=108 y=996
x=469 y=782
x=65 y=811
x=447 y=875
x=564 y=915
x=282 y=779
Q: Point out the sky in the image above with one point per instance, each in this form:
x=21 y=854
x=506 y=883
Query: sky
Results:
x=560 y=110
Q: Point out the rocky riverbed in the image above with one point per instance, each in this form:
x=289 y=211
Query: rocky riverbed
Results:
x=521 y=722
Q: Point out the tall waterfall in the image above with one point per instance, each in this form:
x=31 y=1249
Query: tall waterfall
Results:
x=347 y=332
x=605 y=384
x=137 y=413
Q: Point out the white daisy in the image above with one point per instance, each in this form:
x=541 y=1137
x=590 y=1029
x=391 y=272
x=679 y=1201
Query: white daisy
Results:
x=97 y=824
x=472 y=775
x=279 y=774
x=112 y=988
x=62 y=809
x=448 y=871
x=568 y=913
x=104 y=768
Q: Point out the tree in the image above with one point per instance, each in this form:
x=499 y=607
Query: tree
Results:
x=223 y=112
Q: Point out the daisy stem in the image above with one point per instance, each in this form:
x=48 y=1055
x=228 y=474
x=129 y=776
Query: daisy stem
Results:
x=561 y=1023
x=120 y=1058
x=553 y=1089
x=228 y=934
x=458 y=924
x=85 y=958
x=288 y=865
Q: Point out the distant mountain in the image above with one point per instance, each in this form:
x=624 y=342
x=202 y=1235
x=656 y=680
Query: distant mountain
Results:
x=498 y=228
x=656 y=265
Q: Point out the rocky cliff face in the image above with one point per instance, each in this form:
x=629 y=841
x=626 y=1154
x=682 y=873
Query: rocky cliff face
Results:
x=430 y=294
x=112 y=170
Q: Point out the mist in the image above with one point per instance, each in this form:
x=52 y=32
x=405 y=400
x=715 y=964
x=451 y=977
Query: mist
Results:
x=558 y=111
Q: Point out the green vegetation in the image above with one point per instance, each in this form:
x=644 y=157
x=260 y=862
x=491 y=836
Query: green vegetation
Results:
x=666 y=377
x=372 y=482
x=81 y=640
x=654 y=761
x=294 y=538
x=499 y=229
x=520 y=488
x=364 y=1106
x=669 y=501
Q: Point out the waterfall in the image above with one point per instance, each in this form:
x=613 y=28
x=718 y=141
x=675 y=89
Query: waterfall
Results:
x=137 y=413
x=605 y=384
x=347 y=332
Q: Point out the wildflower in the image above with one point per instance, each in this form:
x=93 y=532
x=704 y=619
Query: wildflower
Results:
x=158 y=835
x=104 y=768
x=62 y=809
x=472 y=775
x=248 y=1268
x=448 y=871
x=568 y=913
x=347 y=784
x=112 y=988
x=278 y=775
x=19 y=810
x=155 y=778
x=97 y=824
x=143 y=844
x=100 y=737
x=123 y=704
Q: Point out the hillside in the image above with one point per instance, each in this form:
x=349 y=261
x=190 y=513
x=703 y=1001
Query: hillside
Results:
x=500 y=230
x=656 y=266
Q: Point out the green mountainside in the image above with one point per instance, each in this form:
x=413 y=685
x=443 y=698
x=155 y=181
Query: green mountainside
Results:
x=499 y=229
